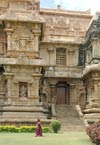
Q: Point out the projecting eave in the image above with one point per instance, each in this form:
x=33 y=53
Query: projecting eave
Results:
x=21 y=17
x=23 y=61
x=90 y=68
x=62 y=42
x=63 y=74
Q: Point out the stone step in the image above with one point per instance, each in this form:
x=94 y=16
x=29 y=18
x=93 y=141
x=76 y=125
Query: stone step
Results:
x=22 y=115
x=72 y=128
x=69 y=118
x=18 y=115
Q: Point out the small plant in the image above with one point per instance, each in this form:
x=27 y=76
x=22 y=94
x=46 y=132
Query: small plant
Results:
x=55 y=126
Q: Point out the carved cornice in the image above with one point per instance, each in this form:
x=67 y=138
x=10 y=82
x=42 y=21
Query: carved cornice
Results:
x=66 y=12
x=8 y=75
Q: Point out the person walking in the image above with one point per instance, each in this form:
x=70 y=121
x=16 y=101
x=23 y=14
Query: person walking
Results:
x=38 y=128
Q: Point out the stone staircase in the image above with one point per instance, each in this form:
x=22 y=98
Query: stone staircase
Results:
x=69 y=118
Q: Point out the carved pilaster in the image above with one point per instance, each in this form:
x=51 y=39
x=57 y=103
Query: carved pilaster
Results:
x=29 y=88
x=95 y=97
x=9 y=40
x=8 y=31
x=36 y=32
x=53 y=92
x=51 y=55
x=36 y=86
x=9 y=76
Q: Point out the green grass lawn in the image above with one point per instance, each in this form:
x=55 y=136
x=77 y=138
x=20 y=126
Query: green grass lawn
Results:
x=68 y=138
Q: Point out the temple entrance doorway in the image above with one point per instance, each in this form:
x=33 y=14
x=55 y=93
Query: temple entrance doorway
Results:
x=62 y=93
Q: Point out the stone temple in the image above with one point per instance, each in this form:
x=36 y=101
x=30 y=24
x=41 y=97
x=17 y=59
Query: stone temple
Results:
x=48 y=58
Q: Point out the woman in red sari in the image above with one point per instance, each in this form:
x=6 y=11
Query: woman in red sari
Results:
x=39 y=128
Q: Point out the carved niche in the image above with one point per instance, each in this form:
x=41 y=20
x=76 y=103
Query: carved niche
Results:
x=22 y=39
x=23 y=90
x=3 y=39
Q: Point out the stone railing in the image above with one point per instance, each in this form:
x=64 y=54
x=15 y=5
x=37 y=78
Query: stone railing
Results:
x=81 y=115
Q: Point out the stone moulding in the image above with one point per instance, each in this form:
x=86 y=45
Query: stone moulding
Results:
x=23 y=61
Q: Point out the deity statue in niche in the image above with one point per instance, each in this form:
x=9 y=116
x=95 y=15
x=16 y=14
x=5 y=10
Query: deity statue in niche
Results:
x=15 y=44
x=23 y=43
x=23 y=90
x=29 y=5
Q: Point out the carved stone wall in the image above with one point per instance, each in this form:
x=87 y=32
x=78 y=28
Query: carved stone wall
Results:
x=22 y=84
x=22 y=39
x=77 y=92
x=63 y=26
x=3 y=7
x=48 y=52
x=3 y=90
x=25 y=5
x=3 y=41
x=28 y=42
x=20 y=6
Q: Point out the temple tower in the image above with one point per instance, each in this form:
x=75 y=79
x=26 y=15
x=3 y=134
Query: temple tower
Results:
x=21 y=61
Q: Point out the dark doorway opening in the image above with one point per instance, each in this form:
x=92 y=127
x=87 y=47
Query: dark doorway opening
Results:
x=63 y=93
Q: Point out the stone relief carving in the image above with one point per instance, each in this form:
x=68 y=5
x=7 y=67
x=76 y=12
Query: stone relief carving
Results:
x=22 y=43
x=23 y=90
x=22 y=39
x=88 y=56
x=57 y=21
x=64 y=26
x=19 y=5
x=15 y=44
x=76 y=24
x=44 y=94
x=59 y=25
x=3 y=43
x=22 y=5
x=81 y=56
x=49 y=21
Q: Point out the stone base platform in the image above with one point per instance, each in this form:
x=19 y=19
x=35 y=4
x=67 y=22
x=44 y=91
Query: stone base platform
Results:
x=92 y=117
x=22 y=115
x=92 y=114
x=22 y=122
